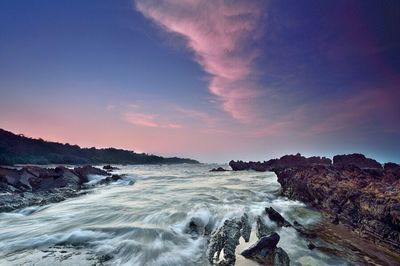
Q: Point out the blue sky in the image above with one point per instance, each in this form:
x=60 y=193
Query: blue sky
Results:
x=213 y=80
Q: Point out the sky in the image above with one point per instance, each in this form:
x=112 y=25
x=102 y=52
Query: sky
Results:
x=212 y=80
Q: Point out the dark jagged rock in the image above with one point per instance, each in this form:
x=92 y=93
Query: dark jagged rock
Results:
x=276 y=217
x=218 y=169
x=245 y=231
x=226 y=238
x=110 y=179
x=263 y=247
x=355 y=159
x=196 y=227
x=391 y=172
x=32 y=185
x=110 y=168
x=87 y=170
x=366 y=200
x=283 y=162
x=266 y=252
x=281 y=258
x=261 y=228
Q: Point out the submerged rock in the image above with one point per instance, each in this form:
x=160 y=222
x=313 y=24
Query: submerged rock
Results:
x=219 y=169
x=110 y=168
x=196 y=227
x=276 y=217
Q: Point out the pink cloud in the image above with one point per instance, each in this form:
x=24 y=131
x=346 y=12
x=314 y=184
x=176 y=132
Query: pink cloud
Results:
x=219 y=33
x=148 y=120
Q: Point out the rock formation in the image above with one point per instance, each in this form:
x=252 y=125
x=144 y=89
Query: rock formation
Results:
x=32 y=185
x=283 y=162
x=226 y=239
x=367 y=200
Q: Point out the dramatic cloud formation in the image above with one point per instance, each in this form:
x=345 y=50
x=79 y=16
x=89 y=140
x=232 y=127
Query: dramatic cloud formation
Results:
x=223 y=35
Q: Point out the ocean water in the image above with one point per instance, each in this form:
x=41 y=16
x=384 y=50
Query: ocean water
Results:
x=144 y=223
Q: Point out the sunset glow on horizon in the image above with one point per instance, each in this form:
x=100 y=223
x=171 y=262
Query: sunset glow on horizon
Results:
x=210 y=80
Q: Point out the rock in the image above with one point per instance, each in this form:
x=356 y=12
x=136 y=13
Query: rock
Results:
x=263 y=247
x=276 y=217
x=283 y=162
x=261 y=228
x=219 y=169
x=391 y=172
x=226 y=238
x=87 y=170
x=311 y=246
x=245 y=231
x=355 y=159
x=109 y=179
x=363 y=199
x=281 y=258
x=266 y=252
x=32 y=185
x=196 y=227
x=109 y=167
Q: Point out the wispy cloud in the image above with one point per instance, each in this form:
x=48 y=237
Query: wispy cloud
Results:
x=222 y=35
x=149 y=120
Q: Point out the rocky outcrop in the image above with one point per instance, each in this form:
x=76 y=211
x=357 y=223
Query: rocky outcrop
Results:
x=32 y=185
x=226 y=239
x=283 y=162
x=365 y=199
x=266 y=252
x=355 y=159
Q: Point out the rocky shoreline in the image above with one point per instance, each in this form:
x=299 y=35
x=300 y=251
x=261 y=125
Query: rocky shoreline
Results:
x=351 y=190
x=33 y=185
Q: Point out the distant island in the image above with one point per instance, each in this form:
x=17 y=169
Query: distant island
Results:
x=18 y=149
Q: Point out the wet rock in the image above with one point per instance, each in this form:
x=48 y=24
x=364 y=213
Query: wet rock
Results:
x=226 y=239
x=87 y=170
x=364 y=199
x=281 y=258
x=110 y=168
x=32 y=185
x=261 y=228
x=311 y=246
x=262 y=248
x=109 y=179
x=275 y=216
x=196 y=227
x=266 y=252
x=219 y=169
x=245 y=231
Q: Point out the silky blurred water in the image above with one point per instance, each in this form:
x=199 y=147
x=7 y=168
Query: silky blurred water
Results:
x=144 y=223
